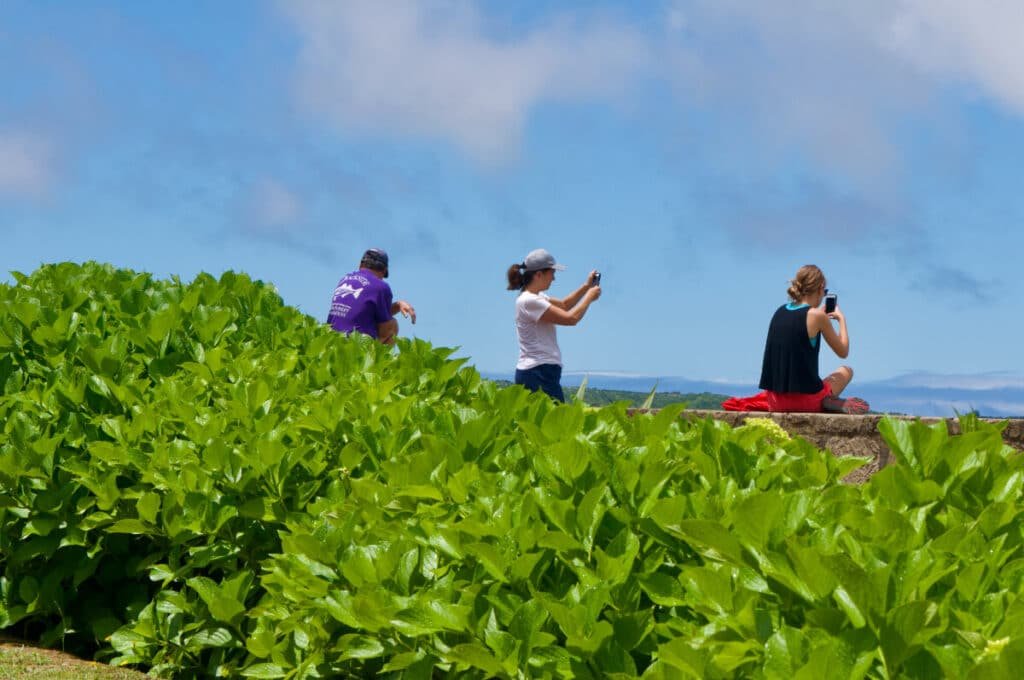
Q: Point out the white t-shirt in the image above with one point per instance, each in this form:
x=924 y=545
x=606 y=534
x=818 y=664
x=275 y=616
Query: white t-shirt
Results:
x=537 y=341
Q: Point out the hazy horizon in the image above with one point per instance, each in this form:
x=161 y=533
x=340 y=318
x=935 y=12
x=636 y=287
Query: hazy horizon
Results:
x=921 y=394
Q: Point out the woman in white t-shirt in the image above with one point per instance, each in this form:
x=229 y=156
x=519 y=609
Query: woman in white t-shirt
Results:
x=540 y=361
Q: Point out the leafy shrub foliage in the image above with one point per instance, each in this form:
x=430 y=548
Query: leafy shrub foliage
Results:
x=200 y=480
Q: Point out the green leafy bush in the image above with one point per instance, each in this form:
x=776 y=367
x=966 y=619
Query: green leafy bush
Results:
x=200 y=480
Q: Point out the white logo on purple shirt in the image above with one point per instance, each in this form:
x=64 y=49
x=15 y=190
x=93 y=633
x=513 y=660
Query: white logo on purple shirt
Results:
x=345 y=289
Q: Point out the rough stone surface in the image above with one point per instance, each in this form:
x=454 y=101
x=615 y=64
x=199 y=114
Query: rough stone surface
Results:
x=846 y=435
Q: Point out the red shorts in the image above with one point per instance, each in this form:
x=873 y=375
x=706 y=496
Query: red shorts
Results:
x=797 y=402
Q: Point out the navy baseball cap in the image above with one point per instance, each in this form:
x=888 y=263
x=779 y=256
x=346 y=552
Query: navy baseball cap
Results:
x=377 y=259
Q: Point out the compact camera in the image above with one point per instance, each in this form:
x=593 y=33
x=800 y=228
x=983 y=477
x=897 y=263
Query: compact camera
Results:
x=830 y=302
x=597 y=278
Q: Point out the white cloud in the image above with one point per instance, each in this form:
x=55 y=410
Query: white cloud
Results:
x=830 y=80
x=26 y=164
x=834 y=80
x=978 y=42
x=825 y=114
x=431 y=70
x=809 y=79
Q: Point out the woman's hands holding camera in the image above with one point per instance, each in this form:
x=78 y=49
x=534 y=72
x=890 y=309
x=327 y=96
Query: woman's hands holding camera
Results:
x=593 y=284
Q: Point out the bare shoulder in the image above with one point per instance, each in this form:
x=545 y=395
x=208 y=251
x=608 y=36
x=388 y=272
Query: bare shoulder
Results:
x=817 y=318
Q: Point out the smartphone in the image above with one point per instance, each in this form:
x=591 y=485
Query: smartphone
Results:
x=597 y=279
x=830 y=303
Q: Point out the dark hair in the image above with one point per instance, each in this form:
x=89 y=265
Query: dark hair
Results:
x=374 y=265
x=519 y=278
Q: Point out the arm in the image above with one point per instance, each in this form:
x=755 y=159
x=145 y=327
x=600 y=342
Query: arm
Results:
x=820 y=321
x=387 y=332
x=387 y=324
x=573 y=298
x=571 y=317
x=405 y=308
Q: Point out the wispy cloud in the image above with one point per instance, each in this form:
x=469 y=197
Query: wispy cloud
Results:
x=829 y=80
x=835 y=80
x=278 y=213
x=272 y=207
x=430 y=70
x=27 y=164
x=980 y=381
x=977 y=43
x=314 y=211
x=808 y=79
x=955 y=286
x=778 y=212
x=835 y=98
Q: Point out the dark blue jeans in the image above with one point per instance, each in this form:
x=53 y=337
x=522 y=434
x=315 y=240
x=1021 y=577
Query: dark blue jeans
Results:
x=546 y=377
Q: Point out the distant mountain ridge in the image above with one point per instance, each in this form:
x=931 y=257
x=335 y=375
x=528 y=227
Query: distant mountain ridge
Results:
x=997 y=394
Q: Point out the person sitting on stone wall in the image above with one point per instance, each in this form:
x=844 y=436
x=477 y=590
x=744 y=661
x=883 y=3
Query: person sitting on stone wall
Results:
x=789 y=370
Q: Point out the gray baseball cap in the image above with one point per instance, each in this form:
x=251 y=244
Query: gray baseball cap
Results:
x=541 y=259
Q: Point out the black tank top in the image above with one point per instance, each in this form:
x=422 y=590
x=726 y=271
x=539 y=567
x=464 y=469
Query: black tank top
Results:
x=790 y=362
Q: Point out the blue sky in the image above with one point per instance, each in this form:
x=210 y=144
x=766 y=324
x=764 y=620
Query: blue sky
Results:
x=695 y=151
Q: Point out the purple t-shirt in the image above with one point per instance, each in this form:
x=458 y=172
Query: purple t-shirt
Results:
x=361 y=302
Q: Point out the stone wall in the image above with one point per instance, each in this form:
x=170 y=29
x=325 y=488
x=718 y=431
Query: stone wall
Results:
x=845 y=435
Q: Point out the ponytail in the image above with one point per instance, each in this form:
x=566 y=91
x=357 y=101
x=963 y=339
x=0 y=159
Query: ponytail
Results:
x=518 y=277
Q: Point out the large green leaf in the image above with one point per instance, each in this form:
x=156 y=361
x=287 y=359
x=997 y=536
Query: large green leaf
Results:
x=222 y=607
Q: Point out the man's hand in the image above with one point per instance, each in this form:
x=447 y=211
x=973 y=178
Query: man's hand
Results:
x=406 y=309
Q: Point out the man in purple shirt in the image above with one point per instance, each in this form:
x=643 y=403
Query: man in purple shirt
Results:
x=362 y=301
